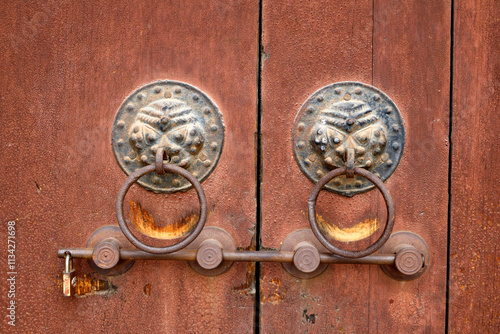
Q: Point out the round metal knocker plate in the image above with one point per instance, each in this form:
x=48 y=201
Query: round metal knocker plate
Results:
x=348 y=115
x=174 y=116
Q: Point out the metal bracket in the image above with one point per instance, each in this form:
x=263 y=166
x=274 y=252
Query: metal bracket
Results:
x=175 y=116
x=412 y=256
x=306 y=254
x=106 y=243
x=343 y=122
x=209 y=247
x=214 y=251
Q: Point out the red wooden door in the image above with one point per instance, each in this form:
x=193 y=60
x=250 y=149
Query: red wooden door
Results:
x=404 y=50
x=437 y=61
x=67 y=67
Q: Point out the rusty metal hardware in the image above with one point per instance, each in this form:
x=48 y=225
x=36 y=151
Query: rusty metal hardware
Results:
x=69 y=276
x=161 y=158
x=164 y=127
x=167 y=168
x=285 y=257
x=210 y=247
x=345 y=119
x=106 y=243
x=388 y=202
x=209 y=254
x=174 y=116
x=412 y=256
x=234 y=256
x=349 y=163
x=307 y=251
x=214 y=251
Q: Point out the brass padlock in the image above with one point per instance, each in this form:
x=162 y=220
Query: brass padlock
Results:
x=69 y=276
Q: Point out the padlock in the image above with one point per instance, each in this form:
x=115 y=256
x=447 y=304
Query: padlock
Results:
x=69 y=277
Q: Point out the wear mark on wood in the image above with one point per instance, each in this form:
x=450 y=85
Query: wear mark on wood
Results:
x=309 y=318
x=143 y=221
x=272 y=291
x=248 y=288
x=358 y=232
x=147 y=289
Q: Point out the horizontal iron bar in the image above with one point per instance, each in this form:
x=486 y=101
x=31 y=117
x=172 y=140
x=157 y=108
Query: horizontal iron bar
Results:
x=237 y=256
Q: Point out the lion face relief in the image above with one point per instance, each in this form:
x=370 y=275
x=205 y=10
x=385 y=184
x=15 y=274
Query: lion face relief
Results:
x=348 y=124
x=171 y=124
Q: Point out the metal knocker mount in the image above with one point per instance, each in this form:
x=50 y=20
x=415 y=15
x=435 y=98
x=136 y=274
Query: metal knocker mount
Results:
x=167 y=136
x=348 y=120
x=174 y=116
x=349 y=138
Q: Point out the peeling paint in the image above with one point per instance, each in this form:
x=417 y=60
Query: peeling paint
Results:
x=147 y=290
x=310 y=318
x=359 y=231
x=248 y=288
x=144 y=223
x=272 y=291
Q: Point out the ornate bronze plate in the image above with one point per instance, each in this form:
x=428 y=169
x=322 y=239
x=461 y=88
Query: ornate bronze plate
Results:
x=348 y=115
x=173 y=115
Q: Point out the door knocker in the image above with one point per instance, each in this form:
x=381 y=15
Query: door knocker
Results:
x=167 y=136
x=345 y=118
x=174 y=116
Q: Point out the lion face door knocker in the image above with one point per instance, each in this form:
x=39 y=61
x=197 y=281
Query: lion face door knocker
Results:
x=348 y=116
x=174 y=116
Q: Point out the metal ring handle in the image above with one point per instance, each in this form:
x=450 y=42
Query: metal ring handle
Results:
x=388 y=203
x=168 y=168
x=161 y=156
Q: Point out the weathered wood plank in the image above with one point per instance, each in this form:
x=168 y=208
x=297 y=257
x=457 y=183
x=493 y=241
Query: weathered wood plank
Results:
x=403 y=48
x=475 y=210
x=67 y=66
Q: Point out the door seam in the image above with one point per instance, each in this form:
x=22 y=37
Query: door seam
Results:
x=258 y=174
x=450 y=161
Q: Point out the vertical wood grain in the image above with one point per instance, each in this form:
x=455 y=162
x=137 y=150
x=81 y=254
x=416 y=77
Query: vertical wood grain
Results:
x=67 y=66
x=402 y=48
x=474 y=297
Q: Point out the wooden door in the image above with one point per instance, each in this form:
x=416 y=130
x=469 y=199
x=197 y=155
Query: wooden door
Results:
x=435 y=59
x=404 y=50
x=68 y=65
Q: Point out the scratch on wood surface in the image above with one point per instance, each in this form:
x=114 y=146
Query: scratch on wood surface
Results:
x=147 y=289
x=359 y=231
x=144 y=222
